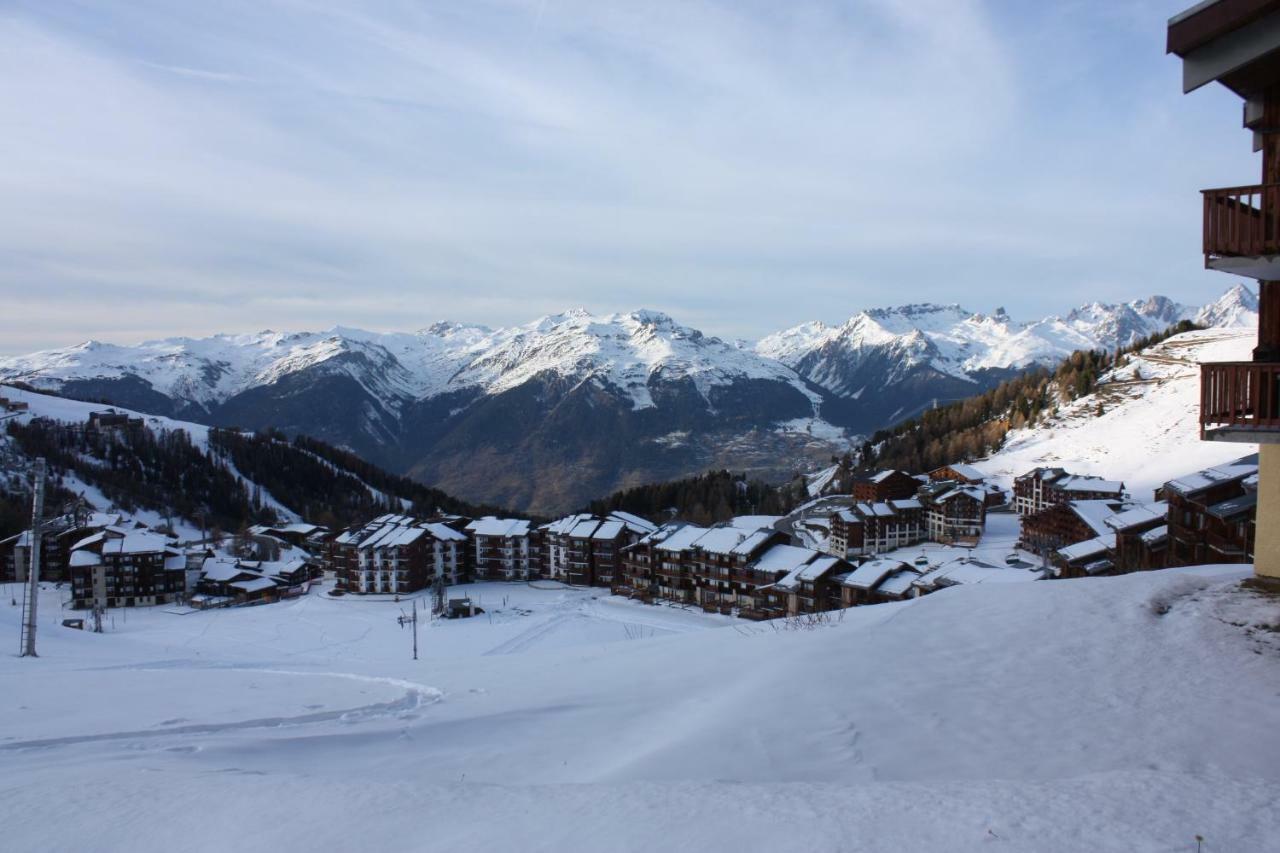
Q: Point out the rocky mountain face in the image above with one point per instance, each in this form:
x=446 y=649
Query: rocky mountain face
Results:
x=545 y=416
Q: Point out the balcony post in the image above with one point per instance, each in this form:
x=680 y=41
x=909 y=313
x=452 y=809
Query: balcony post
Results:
x=1268 y=348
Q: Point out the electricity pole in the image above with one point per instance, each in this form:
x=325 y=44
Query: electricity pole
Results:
x=32 y=598
x=411 y=620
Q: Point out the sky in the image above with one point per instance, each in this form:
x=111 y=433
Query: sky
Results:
x=225 y=166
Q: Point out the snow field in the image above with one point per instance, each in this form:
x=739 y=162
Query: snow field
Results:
x=1126 y=713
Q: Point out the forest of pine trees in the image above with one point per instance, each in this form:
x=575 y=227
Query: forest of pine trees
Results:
x=141 y=469
x=327 y=486
x=705 y=498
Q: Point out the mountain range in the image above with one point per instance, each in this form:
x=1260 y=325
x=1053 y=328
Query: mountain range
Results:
x=544 y=416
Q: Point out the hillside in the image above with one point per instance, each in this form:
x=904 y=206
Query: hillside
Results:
x=187 y=475
x=1148 y=430
x=548 y=415
x=1118 y=714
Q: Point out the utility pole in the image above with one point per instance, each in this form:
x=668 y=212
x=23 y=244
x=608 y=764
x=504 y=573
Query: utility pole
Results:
x=411 y=620
x=32 y=600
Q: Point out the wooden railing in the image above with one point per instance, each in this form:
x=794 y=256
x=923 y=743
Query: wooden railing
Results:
x=1242 y=221
x=1240 y=395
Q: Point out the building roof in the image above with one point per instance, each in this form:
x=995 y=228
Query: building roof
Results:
x=1075 y=483
x=608 y=530
x=1198 y=481
x=444 y=532
x=634 y=523
x=871 y=573
x=503 y=527
x=1156 y=535
x=961 y=572
x=1095 y=513
x=678 y=538
x=584 y=528
x=898 y=583
x=1139 y=515
x=721 y=540
x=966 y=471
x=253 y=584
x=1245 y=504
x=1088 y=548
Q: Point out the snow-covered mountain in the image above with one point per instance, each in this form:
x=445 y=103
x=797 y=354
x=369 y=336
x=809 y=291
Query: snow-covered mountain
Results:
x=546 y=415
x=894 y=361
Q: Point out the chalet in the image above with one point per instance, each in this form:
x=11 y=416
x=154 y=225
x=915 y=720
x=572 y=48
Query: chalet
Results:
x=884 y=486
x=809 y=583
x=57 y=537
x=297 y=534
x=1059 y=525
x=397 y=554
x=1235 y=43
x=113 y=421
x=861 y=585
x=1044 y=487
x=126 y=567
x=872 y=528
x=966 y=571
x=721 y=564
x=953 y=512
x=1089 y=558
x=7 y=405
x=587 y=550
x=1142 y=537
x=671 y=561
x=958 y=473
x=503 y=549
x=1212 y=514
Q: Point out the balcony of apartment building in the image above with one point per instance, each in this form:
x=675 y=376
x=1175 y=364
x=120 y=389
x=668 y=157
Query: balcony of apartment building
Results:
x=1240 y=400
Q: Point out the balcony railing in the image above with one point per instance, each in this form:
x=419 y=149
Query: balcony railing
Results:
x=1242 y=221
x=1240 y=395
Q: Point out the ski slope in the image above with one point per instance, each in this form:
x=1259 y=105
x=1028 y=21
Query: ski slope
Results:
x=1112 y=714
x=1149 y=431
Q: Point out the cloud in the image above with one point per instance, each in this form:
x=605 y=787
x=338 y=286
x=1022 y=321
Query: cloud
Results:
x=189 y=168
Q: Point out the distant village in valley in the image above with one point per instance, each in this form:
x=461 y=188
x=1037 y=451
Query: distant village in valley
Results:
x=862 y=538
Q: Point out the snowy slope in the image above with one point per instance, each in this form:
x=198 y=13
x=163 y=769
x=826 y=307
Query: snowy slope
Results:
x=74 y=411
x=1117 y=714
x=1149 y=430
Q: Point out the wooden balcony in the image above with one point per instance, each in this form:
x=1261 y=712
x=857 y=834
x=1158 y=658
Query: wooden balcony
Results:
x=1242 y=230
x=1240 y=401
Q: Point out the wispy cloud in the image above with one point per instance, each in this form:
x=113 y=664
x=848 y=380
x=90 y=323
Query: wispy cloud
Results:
x=185 y=168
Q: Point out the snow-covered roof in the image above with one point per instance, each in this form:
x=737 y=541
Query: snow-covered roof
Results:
x=1090 y=484
x=136 y=542
x=783 y=558
x=751 y=542
x=680 y=538
x=881 y=476
x=899 y=582
x=584 y=529
x=1095 y=514
x=1232 y=507
x=966 y=471
x=1138 y=515
x=253 y=584
x=1156 y=535
x=566 y=524
x=444 y=532
x=400 y=536
x=609 y=530
x=84 y=558
x=720 y=540
x=504 y=527
x=633 y=522
x=970 y=573
x=1189 y=484
x=1088 y=548
x=872 y=572
x=219 y=570
x=906 y=503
